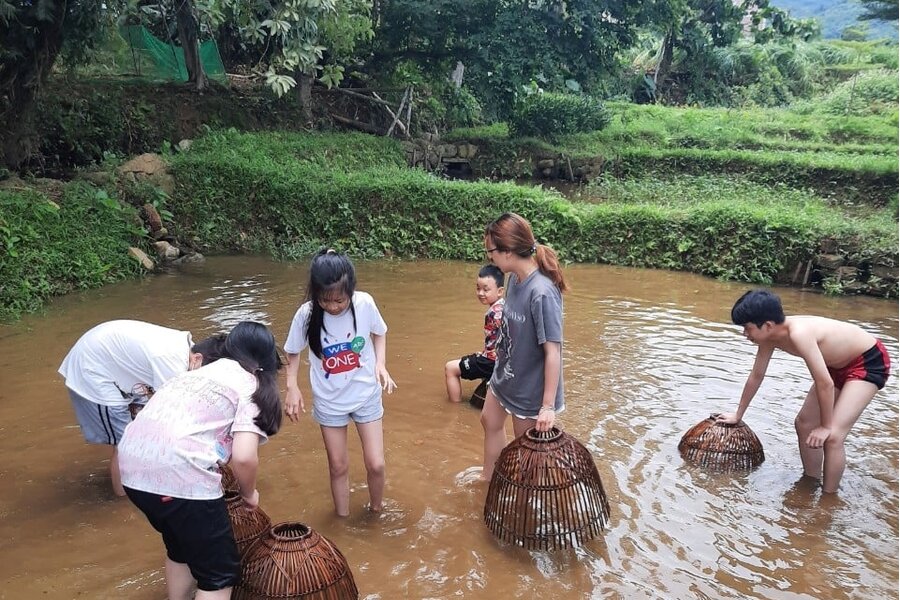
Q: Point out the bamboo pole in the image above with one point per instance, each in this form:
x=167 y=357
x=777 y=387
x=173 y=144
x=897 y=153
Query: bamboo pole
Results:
x=409 y=112
x=356 y=124
x=398 y=115
x=360 y=96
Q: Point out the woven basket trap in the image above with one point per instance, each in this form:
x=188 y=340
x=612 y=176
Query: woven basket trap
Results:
x=477 y=399
x=229 y=481
x=546 y=493
x=292 y=560
x=721 y=447
x=246 y=523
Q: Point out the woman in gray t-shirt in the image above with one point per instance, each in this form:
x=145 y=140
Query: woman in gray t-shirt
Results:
x=527 y=380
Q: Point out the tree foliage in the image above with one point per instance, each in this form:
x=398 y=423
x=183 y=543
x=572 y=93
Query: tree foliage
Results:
x=879 y=10
x=294 y=38
x=507 y=44
x=35 y=33
x=717 y=51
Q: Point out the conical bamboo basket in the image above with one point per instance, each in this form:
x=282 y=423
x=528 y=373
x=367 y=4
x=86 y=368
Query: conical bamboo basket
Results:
x=291 y=561
x=246 y=523
x=229 y=481
x=546 y=493
x=721 y=447
x=477 y=399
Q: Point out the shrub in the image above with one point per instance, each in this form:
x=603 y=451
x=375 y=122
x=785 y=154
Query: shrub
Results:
x=868 y=93
x=377 y=210
x=443 y=106
x=51 y=248
x=549 y=115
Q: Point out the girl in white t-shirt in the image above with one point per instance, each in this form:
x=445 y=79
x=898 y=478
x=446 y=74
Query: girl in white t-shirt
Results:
x=169 y=457
x=346 y=338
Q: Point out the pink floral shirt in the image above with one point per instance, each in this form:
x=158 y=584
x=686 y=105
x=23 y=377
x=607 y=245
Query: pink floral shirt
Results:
x=174 y=444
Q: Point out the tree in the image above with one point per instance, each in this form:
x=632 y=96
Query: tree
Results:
x=189 y=38
x=155 y=15
x=35 y=33
x=879 y=10
x=710 y=48
x=297 y=39
x=506 y=44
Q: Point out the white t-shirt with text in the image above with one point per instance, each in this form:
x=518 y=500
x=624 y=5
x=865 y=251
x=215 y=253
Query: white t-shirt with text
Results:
x=344 y=377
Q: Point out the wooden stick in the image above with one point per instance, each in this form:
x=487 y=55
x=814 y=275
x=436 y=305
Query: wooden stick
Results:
x=359 y=89
x=808 y=268
x=347 y=92
x=409 y=112
x=356 y=124
x=393 y=116
x=398 y=115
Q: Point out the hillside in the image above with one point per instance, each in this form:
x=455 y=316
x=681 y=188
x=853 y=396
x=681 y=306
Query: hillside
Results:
x=835 y=15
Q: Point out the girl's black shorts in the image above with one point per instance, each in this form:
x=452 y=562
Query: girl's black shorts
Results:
x=196 y=533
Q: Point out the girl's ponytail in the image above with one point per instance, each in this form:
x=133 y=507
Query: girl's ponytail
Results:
x=268 y=399
x=252 y=345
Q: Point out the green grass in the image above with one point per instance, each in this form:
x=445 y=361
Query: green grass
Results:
x=721 y=227
x=52 y=247
x=848 y=158
x=719 y=128
x=289 y=193
x=685 y=193
x=341 y=151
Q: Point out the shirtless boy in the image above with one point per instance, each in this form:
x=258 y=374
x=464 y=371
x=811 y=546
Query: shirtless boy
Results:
x=848 y=366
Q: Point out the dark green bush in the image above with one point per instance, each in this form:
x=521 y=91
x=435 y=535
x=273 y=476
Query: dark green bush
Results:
x=549 y=115
x=443 y=106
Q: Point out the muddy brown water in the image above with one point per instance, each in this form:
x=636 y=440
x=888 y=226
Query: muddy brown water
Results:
x=647 y=355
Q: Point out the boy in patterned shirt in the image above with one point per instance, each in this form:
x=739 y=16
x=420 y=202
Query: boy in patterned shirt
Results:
x=489 y=289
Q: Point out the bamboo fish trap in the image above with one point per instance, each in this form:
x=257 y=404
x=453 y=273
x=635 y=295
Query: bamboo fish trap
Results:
x=292 y=561
x=477 y=399
x=229 y=481
x=246 y=523
x=721 y=447
x=546 y=493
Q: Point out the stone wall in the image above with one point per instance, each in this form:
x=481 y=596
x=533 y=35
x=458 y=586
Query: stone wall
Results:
x=464 y=157
x=838 y=269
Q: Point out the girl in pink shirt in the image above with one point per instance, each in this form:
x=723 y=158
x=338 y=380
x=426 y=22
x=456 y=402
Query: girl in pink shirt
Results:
x=169 y=457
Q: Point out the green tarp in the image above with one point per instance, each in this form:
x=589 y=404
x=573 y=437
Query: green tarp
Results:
x=157 y=59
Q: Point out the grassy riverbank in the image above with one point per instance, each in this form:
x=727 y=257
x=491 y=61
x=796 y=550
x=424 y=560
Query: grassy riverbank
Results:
x=363 y=200
x=845 y=158
x=59 y=239
x=765 y=193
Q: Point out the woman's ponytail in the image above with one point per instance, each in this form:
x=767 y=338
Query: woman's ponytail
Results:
x=549 y=265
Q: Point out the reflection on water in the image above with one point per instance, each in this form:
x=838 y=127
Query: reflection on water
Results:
x=236 y=300
x=647 y=355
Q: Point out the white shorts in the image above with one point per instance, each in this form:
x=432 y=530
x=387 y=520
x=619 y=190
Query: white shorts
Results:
x=370 y=411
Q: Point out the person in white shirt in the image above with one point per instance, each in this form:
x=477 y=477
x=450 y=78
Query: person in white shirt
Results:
x=120 y=363
x=346 y=337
